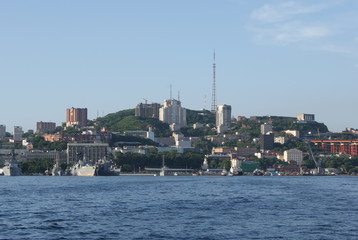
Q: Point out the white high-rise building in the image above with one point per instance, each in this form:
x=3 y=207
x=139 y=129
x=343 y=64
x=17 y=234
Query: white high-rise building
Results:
x=18 y=132
x=173 y=114
x=2 y=131
x=223 y=118
x=294 y=155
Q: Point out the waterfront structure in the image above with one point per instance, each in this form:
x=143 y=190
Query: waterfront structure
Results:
x=337 y=146
x=223 y=118
x=266 y=128
x=45 y=127
x=2 y=131
x=46 y=155
x=173 y=113
x=304 y=117
x=76 y=117
x=293 y=155
x=147 y=110
x=18 y=132
x=92 y=151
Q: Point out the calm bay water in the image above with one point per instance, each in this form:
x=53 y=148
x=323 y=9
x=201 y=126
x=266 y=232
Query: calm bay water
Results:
x=198 y=207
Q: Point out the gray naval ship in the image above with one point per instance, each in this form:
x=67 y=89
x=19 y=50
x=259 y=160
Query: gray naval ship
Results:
x=102 y=167
x=84 y=168
x=106 y=168
x=11 y=167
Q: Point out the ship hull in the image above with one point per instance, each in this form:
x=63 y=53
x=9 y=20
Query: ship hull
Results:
x=107 y=169
x=86 y=171
x=11 y=171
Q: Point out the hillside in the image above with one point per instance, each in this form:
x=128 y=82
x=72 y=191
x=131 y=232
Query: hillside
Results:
x=125 y=120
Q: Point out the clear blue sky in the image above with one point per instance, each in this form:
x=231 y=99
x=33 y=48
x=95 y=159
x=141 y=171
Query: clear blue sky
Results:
x=273 y=57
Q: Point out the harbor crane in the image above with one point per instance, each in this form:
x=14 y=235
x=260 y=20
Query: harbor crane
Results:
x=318 y=162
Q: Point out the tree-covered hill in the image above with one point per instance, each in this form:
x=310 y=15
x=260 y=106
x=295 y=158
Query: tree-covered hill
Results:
x=125 y=121
x=202 y=116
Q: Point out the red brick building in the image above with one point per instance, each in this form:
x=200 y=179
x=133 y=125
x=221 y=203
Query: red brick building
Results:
x=337 y=146
x=76 y=117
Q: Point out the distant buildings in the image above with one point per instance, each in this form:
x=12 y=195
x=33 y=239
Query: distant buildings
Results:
x=267 y=141
x=337 y=146
x=147 y=110
x=84 y=137
x=303 y=117
x=294 y=133
x=45 y=127
x=143 y=134
x=293 y=155
x=92 y=152
x=76 y=117
x=2 y=131
x=223 y=118
x=173 y=114
x=18 y=132
x=266 y=128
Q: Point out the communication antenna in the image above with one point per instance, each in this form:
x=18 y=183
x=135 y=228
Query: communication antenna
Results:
x=178 y=95
x=213 y=96
x=171 y=92
x=205 y=101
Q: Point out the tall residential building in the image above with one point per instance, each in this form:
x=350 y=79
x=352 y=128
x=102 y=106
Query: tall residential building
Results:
x=293 y=155
x=267 y=141
x=2 y=131
x=147 y=110
x=266 y=128
x=45 y=127
x=76 y=117
x=223 y=118
x=18 y=132
x=173 y=114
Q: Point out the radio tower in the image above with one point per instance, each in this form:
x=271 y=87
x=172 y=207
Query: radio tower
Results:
x=213 y=96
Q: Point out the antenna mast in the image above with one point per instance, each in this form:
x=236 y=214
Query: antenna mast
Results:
x=213 y=96
x=171 y=98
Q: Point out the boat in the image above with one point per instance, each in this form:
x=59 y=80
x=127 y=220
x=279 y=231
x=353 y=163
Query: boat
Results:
x=106 y=168
x=236 y=171
x=258 y=172
x=11 y=167
x=223 y=172
x=84 y=168
x=56 y=170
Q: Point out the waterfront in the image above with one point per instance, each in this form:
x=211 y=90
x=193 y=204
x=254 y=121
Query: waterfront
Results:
x=184 y=207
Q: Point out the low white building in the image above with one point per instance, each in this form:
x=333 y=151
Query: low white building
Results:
x=280 y=140
x=293 y=155
x=294 y=133
x=304 y=117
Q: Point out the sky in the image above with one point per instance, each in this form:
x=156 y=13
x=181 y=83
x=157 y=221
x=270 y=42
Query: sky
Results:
x=277 y=58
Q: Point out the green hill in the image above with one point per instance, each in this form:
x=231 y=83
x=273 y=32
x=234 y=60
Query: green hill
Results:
x=125 y=121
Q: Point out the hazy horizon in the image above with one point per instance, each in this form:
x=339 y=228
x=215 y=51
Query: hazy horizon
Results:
x=277 y=58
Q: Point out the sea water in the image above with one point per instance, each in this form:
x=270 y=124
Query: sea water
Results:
x=182 y=207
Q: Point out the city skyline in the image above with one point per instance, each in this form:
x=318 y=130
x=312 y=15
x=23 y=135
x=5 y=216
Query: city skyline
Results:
x=273 y=58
